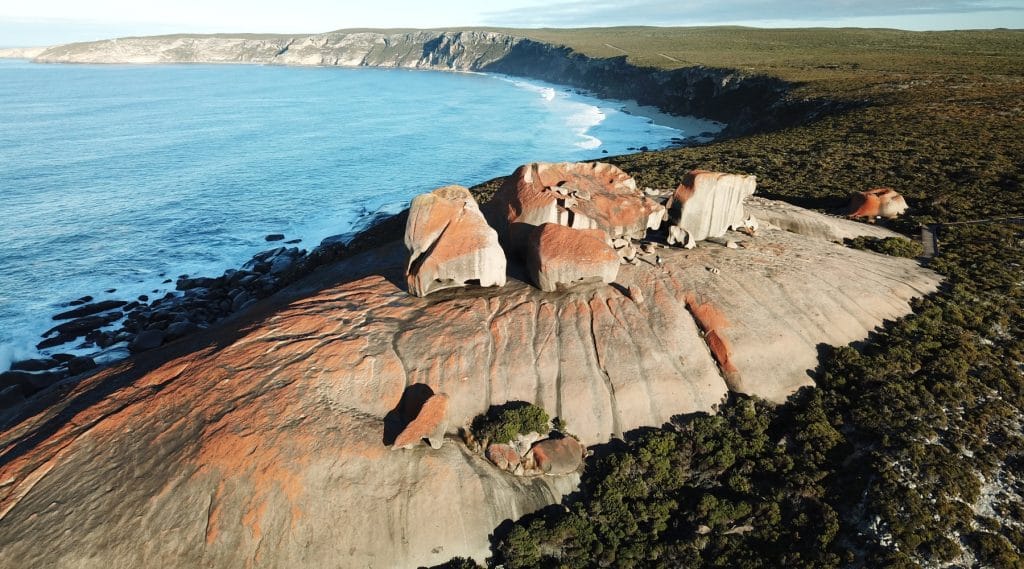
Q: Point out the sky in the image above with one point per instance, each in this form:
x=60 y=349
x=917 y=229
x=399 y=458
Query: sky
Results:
x=63 y=21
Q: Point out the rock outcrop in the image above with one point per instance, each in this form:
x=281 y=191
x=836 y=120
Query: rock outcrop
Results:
x=260 y=442
x=556 y=457
x=781 y=215
x=450 y=243
x=878 y=202
x=707 y=204
x=431 y=423
x=577 y=195
x=559 y=257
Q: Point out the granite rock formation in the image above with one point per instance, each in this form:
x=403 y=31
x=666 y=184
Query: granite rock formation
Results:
x=781 y=215
x=577 y=195
x=878 y=202
x=450 y=243
x=556 y=457
x=261 y=442
x=707 y=204
x=559 y=257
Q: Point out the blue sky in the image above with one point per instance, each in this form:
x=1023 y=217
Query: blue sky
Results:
x=61 y=21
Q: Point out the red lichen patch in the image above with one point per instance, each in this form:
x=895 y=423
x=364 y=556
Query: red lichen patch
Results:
x=707 y=316
x=711 y=321
x=721 y=350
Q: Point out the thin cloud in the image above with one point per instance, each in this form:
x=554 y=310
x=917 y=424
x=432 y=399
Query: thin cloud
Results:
x=616 y=12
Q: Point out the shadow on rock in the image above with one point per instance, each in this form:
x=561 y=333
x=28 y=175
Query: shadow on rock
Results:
x=405 y=411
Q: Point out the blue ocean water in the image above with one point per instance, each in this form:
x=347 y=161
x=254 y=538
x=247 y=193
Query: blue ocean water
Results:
x=118 y=177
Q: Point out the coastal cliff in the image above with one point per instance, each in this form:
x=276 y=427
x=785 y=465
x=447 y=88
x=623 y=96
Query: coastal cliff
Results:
x=747 y=103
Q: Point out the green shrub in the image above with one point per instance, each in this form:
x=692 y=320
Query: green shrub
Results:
x=894 y=246
x=501 y=424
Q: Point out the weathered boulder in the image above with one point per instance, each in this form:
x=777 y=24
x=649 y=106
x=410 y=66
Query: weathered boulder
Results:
x=707 y=204
x=577 y=195
x=558 y=456
x=562 y=257
x=877 y=202
x=430 y=423
x=450 y=243
x=774 y=214
x=503 y=456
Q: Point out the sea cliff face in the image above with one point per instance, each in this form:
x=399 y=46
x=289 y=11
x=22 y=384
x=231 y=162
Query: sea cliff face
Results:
x=746 y=102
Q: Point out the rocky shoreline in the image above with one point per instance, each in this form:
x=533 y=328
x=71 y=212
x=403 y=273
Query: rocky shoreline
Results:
x=143 y=324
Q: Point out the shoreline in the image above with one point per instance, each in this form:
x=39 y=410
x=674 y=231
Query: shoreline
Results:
x=114 y=345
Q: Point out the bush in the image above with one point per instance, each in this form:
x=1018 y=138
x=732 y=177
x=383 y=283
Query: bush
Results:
x=501 y=424
x=894 y=246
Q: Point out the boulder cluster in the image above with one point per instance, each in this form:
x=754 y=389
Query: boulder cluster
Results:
x=534 y=455
x=571 y=224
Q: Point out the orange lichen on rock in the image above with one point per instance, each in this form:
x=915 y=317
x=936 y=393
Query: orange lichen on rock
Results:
x=577 y=195
x=557 y=456
x=430 y=423
x=711 y=321
x=561 y=257
x=877 y=202
x=450 y=243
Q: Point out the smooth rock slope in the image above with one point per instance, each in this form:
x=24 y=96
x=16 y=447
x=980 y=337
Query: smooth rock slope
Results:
x=262 y=443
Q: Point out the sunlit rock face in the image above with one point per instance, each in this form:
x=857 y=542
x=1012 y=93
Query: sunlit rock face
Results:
x=450 y=243
x=559 y=257
x=576 y=195
x=707 y=204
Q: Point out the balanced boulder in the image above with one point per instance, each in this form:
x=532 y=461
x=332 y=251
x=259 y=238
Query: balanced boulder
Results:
x=431 y=424
x=707 y=204
x=558 y=456
x=450 y=243
x=561 y=257
x=877 y=202
x=577 y=195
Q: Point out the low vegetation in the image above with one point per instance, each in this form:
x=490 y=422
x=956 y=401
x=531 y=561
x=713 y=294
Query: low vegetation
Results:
x=887 y=246
x=909 y=452
x=502 y=424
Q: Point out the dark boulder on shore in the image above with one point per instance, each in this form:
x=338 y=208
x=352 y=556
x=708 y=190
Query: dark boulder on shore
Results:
x=39 y=364
x=81 y=365
x=90 y=309
x=147 y=340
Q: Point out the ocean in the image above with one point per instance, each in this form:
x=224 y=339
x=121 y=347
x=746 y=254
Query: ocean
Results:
x=117 y=178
